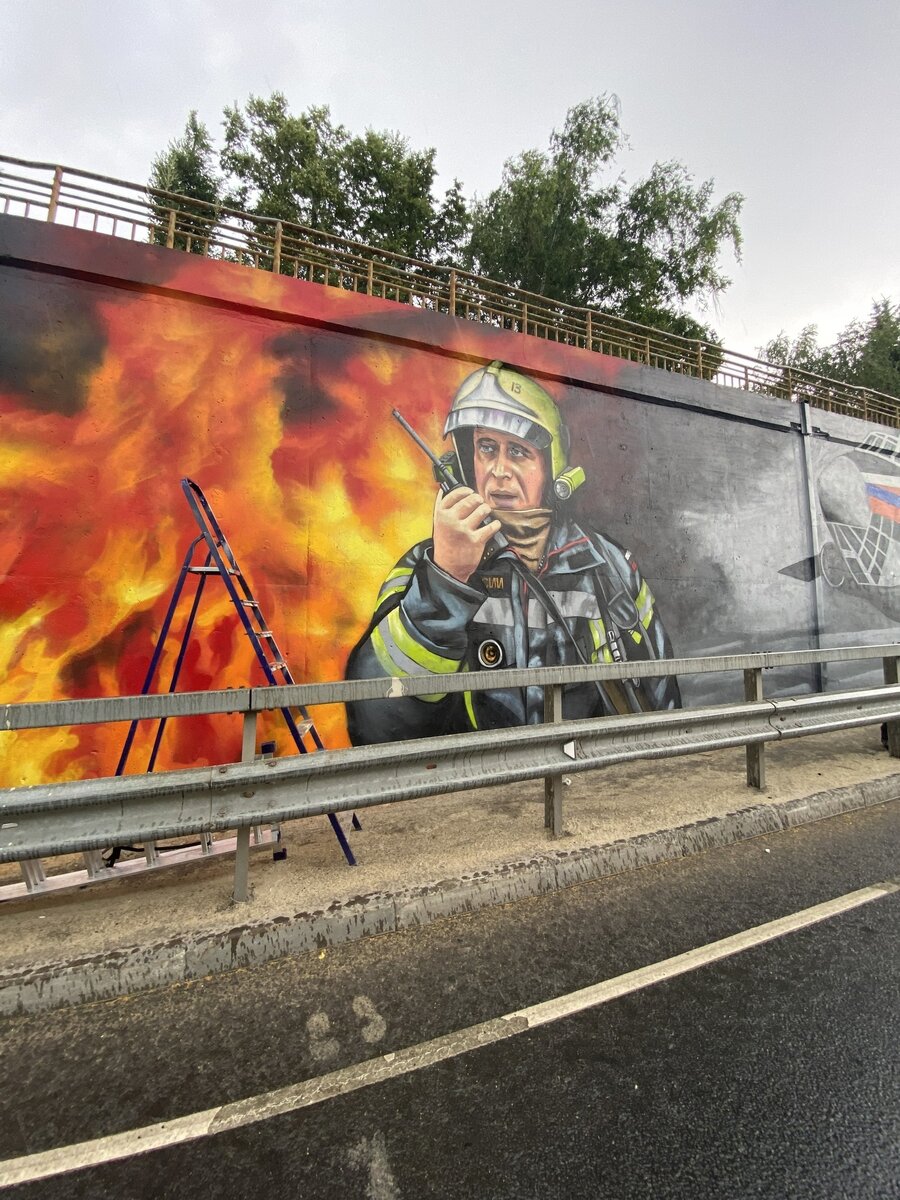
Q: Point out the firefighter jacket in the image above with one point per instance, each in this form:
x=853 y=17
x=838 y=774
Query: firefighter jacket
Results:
x=427 y=622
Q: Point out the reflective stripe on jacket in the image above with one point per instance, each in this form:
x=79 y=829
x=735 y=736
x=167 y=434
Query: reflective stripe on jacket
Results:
x=427 y=622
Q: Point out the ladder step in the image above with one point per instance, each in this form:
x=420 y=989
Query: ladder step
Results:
x=262 y=640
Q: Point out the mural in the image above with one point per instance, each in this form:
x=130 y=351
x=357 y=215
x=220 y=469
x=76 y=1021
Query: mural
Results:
x=125 y=368
x=508 y=579
x=859 y=494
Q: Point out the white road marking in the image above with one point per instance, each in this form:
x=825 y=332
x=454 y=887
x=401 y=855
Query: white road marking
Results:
x=371 y=1155
x=321 y=1046
x=375 y=1025
x=413 y=1058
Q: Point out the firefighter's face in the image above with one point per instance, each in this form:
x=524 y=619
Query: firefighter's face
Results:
x=509 y=473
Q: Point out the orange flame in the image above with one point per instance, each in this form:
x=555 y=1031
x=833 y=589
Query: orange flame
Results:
x=317 y=489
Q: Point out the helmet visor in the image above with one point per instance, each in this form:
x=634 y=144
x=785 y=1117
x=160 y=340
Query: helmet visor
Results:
x=500 y=419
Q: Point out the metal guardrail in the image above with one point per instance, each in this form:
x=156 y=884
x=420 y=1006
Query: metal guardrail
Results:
x=54 y=713
x=86 y=816
x=66 y=195
x=73 y=817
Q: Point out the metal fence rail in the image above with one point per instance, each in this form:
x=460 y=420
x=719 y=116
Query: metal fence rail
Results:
x=66 y=195
x=53 y=713
x=86 y=816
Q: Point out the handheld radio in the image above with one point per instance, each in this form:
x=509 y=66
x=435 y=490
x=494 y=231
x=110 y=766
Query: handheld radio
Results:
x=445 y=477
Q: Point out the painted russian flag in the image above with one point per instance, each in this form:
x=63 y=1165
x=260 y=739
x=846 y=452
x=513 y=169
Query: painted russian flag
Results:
x=883 y=494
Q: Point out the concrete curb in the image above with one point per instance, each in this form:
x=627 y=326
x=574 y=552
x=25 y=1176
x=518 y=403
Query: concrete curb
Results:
x=114 y=973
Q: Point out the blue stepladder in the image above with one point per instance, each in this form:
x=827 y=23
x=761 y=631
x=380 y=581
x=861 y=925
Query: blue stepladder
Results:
x=219 y=560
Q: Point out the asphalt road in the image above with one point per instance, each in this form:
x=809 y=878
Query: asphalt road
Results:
x=771 y=1073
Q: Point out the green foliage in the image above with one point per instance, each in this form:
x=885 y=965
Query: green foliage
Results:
x=372 y=188
x=803 y=353
x=279 y=165
x=451 y=226
x=187 y=167
x=388 y=192
x=546 y=228
x=866 y=353
x=562 y=224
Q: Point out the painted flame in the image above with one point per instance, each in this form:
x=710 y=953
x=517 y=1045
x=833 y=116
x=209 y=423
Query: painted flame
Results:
x=316 y=506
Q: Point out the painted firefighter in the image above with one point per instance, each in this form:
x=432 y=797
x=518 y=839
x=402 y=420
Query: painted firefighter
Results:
x=508 y=579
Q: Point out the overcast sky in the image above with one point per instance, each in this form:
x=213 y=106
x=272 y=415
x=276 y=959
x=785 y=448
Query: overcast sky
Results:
x=793 y=103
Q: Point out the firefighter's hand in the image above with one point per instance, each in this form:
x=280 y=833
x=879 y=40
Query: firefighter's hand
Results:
x=459 y=537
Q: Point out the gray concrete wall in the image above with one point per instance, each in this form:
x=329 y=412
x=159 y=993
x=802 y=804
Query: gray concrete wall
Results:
x=125 y=367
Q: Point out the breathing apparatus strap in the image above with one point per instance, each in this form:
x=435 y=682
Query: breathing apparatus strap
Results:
x=619 y=696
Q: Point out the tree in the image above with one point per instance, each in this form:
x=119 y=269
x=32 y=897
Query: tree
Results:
x=283 y=166
x=865 y=353
x=803 y=353
x=451 y=226
x=187 y=167
x=563 y=225
x=371 y=188
x=388 y=190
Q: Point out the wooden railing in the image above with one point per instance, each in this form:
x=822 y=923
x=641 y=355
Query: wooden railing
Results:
x=65 y=195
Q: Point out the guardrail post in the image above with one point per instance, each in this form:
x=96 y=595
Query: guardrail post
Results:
x=242 y=846
x=93 y=863
x=589 y=332
x=452 y=302
x=54 y=194
x=892 y=675
x=33 y=873
x=170 y=230
x=756 y=754
x=553 y=784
